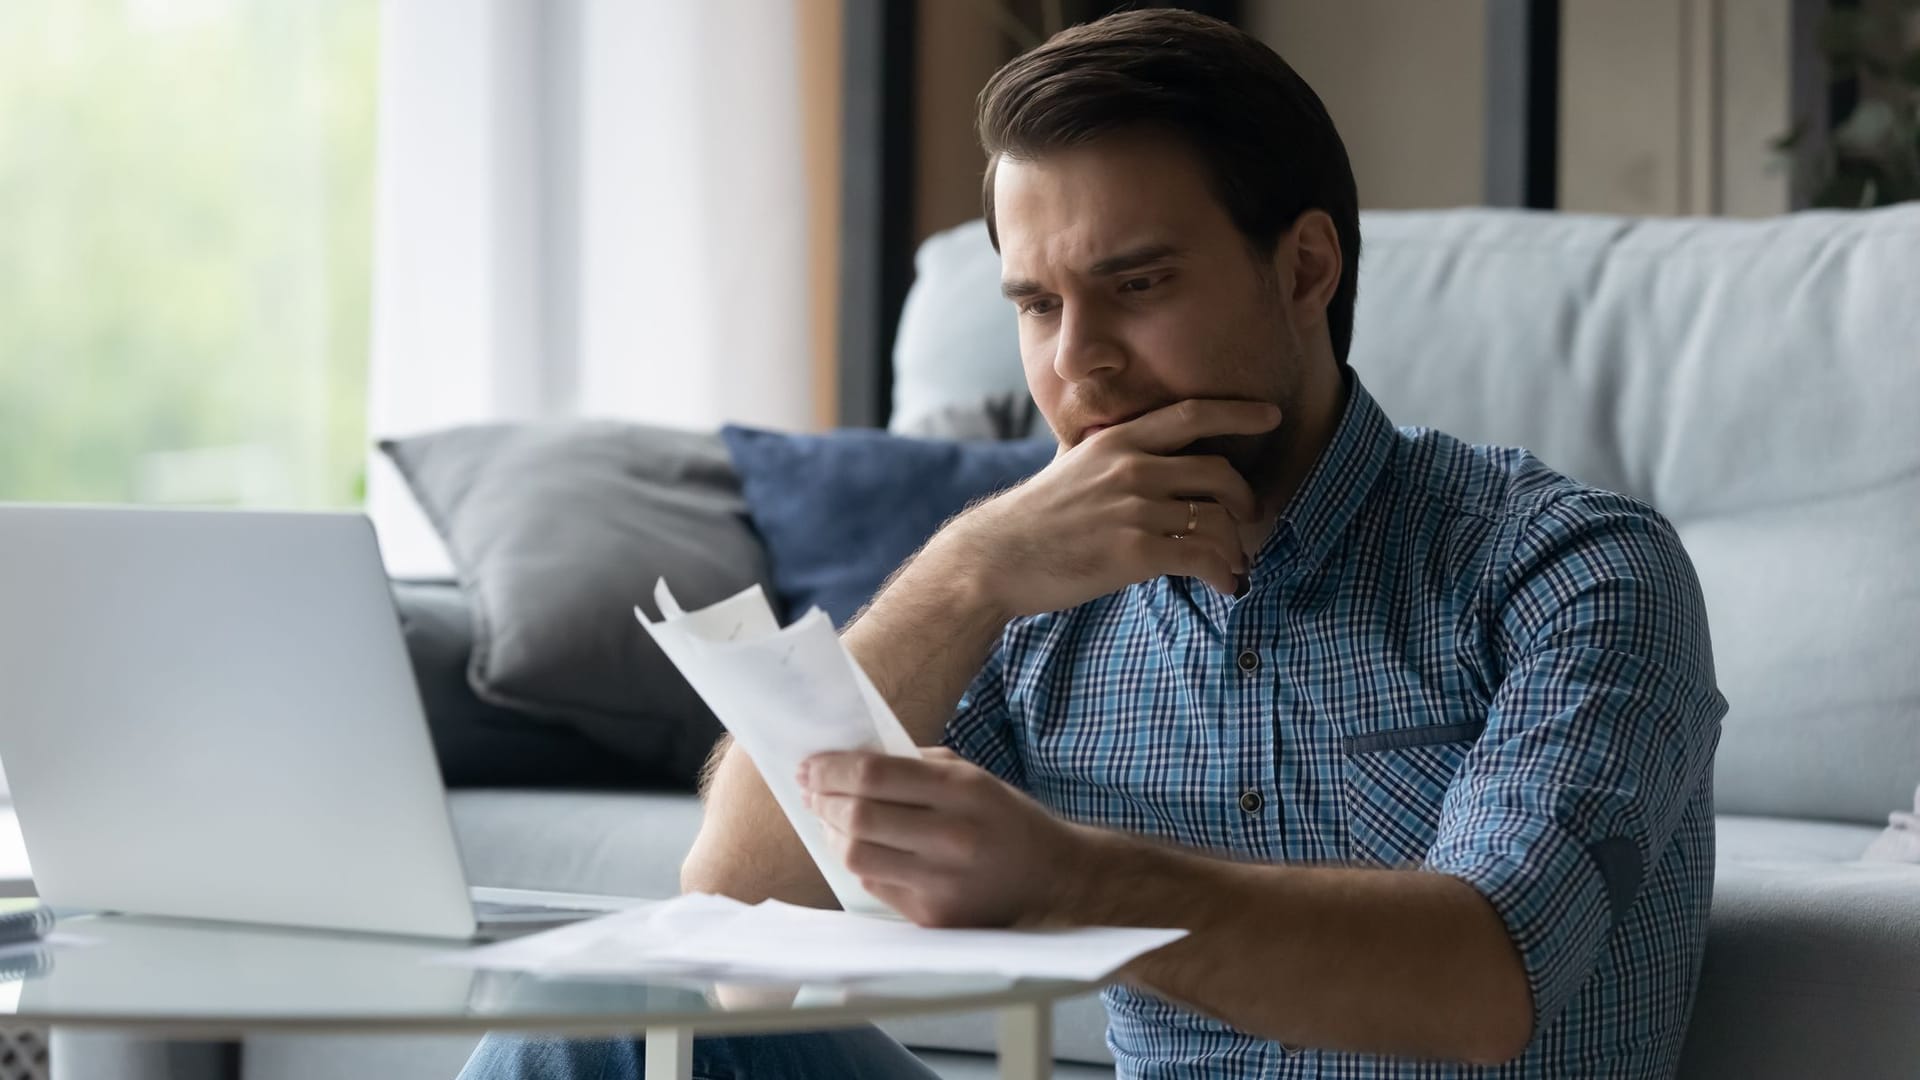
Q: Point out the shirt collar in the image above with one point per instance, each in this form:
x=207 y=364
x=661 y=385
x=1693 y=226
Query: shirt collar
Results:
x=1335 y=489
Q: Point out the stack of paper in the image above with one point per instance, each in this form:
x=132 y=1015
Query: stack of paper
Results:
x=716 y=938
x=784 y=695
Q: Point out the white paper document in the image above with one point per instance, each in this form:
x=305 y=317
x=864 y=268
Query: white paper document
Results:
x=713 y=937
x=784 y=695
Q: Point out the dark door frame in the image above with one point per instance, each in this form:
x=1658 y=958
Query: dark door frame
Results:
x=876 y=201
x=1523 y=104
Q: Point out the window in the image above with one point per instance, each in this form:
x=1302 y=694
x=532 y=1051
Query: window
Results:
x=186 y=194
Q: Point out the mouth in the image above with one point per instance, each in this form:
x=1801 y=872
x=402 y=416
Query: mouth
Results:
x=1095 y=428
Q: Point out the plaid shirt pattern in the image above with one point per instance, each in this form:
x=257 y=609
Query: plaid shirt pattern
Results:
x=1449 y=657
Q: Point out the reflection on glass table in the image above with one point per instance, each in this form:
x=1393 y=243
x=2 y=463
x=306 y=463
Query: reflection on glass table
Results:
x=180 y=980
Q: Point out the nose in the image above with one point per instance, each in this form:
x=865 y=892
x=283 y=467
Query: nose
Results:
x=1084 y=346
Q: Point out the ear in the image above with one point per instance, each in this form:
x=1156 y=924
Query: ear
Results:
x=1310 y=262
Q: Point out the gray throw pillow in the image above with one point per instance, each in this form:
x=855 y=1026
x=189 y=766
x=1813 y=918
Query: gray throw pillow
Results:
x=484 y=745
x=557 y=530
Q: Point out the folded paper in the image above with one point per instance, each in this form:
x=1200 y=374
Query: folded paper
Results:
x=784 y=694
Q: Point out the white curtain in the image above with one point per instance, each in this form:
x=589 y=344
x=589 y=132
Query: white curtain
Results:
x=584 y=208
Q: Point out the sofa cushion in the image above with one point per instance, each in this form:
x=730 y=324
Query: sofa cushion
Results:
x=557 y=530
x=479 y=743
x=1742 y=841
x=958 y=340
x=1813 y=957
x=841 y=511
x=1901 y=841
x=1755 y=381
x=617 y=844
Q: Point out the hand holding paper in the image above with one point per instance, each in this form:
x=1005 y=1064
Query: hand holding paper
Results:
x=784 y=695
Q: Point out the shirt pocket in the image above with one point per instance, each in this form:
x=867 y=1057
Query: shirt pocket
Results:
x=1394 y=783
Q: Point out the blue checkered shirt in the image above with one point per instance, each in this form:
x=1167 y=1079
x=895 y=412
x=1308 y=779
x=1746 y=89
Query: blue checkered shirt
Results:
x=1450 y=657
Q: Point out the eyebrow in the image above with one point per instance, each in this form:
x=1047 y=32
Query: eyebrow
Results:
x=1019 y=288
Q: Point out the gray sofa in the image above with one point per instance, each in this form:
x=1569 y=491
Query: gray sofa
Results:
x=1758 y=382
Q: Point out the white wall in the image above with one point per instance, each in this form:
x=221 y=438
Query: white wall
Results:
x=1667 y=106
x=694 y=299
x=1405 y=83
x=585 y=208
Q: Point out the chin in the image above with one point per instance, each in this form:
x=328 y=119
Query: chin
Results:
x=1250 y=455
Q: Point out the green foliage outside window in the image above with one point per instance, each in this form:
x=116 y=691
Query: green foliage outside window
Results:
x=185 y=249
x=1872 y=158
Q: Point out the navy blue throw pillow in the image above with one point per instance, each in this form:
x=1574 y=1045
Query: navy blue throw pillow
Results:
x=841 y=511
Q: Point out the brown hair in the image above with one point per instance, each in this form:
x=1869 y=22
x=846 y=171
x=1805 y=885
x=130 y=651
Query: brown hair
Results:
x=1258 y=128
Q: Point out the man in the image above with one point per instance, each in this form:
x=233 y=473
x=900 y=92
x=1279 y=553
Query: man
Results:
x=1413 y=736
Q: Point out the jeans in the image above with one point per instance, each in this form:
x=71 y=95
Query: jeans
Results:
x=861 y=1053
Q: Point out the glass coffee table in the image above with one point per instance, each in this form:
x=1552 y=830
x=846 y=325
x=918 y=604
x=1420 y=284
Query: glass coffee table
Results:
x=193 y=982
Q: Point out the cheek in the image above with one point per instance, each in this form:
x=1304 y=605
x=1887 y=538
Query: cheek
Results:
x=1227 y=353
x=1049 y=394
x=1173 y=351
x=1036 y=360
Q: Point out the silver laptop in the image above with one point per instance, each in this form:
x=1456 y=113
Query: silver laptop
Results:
x=211 y=715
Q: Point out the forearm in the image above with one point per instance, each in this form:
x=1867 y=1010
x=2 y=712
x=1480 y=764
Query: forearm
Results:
x=927 y=634
x=746 y=849
x=1402 y=962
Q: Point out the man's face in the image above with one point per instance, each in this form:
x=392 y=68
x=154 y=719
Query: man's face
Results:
x=1135 y=290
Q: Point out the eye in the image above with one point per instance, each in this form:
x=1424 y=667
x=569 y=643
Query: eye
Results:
x=1139 y=284
x=1037 y=307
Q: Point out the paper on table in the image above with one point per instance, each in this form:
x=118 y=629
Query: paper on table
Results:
x=784 y=695
x=630 y=935
x=724 y=938
x=777 y=938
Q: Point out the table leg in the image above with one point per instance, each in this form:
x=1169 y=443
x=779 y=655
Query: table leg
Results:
x=669 y=1053
x=1026 y=1042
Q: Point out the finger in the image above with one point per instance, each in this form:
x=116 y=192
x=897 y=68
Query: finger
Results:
x=1207 y=563
x=1209 y=476
x=1211 y=552
x=894 y=825
x=1180 y=424
x=906 y=899
x=1193 y=522
x=876 y=863
x=913 y=781
x=1188 y=518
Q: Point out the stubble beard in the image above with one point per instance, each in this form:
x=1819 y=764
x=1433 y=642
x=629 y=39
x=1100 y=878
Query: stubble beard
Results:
x=1261 y=459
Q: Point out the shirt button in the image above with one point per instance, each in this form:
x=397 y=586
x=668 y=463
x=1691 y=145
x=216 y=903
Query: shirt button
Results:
x=1252 y=801
x=1249 y=661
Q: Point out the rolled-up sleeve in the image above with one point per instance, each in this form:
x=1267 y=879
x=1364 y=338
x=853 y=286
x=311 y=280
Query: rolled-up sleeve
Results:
x=1600 y=732
x=982 y=726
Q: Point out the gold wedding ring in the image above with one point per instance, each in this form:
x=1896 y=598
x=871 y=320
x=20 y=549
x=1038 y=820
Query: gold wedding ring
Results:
x=1193 y=522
